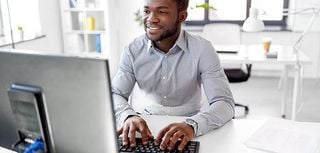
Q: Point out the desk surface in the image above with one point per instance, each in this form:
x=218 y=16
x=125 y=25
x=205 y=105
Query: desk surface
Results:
x=227 y=139
x=255 y=54
x=4 y=150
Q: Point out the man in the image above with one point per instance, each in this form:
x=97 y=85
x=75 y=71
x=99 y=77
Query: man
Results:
x=170 y=65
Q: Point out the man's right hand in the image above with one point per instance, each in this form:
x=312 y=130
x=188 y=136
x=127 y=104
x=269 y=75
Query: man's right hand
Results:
x=132 y=125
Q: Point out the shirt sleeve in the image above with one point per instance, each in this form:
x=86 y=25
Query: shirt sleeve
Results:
x=217 y=90
x=122 y=85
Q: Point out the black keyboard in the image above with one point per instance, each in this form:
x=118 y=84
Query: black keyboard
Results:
x=151 y=147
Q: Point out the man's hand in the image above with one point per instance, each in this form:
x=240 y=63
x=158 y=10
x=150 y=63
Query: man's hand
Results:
x=132 y=125
x=169 y=136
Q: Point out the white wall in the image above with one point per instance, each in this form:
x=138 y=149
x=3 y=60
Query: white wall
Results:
x=129 y=29
x=113 y=35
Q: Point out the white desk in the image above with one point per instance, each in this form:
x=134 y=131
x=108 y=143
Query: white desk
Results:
x=254 y=54
x=227 y=139
x=4 y=150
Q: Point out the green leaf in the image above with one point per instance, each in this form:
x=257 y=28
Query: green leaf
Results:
x=205 y=6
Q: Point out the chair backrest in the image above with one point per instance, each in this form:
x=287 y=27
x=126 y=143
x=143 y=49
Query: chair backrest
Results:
x=238 y=75
x=227 y=34
x=222 y=33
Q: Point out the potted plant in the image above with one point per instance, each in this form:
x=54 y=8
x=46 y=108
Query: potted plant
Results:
x=138 y=17
x=21 y=32
x=205 y=6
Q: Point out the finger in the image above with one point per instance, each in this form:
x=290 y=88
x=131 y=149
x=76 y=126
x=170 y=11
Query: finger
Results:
x=183 y=143
x=149 y=134
x=119 y=132
x=174 y=139
x=160 y=135
x=165 y=140
x=132 y=136
x=144 y=134
x=125 y=131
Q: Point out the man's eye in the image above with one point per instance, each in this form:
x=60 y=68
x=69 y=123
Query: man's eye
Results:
x=163 y=12
x=146 y=11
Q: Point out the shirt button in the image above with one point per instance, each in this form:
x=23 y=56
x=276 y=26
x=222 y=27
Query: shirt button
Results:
x=163 y=78
x=165 y=97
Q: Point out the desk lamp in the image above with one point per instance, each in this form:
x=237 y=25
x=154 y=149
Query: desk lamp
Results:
x=253 y=24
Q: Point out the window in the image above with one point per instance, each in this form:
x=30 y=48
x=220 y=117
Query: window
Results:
x=1 y=21
x=236 y=11
x=24 y=19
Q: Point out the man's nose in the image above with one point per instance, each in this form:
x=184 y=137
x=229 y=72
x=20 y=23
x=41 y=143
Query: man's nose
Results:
x=152 y=18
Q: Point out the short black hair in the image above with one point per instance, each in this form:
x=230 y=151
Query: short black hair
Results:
x=182 y=4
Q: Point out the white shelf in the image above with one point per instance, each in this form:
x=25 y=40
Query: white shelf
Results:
x=91 y=54
x=85 y=27
x=73 y=10
x=85 y=32
x=84 y=10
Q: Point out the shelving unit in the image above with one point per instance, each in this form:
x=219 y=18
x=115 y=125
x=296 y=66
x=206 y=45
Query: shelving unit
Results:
x=85 y=26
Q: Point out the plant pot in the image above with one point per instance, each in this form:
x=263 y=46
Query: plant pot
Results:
x=21 y=33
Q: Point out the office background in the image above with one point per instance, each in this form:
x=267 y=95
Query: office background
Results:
x=50 y=20
x=123 y=15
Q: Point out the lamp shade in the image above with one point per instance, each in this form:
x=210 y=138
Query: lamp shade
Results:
x=252 y=23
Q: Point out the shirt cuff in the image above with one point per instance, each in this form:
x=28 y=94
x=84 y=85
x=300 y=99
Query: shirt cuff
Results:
x=218 y=114
x=125 y=115
x=201 y=122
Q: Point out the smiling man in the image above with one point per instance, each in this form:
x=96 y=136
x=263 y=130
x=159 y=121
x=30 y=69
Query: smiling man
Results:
x=170 y=65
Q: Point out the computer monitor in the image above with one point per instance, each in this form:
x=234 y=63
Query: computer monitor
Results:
x=77 y=96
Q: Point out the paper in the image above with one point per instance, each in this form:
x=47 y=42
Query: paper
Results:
x=285 y=136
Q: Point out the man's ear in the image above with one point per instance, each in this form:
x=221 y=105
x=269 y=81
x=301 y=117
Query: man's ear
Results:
x=183 y=15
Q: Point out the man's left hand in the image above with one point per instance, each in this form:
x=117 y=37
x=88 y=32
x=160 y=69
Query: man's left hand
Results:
x=168 y=136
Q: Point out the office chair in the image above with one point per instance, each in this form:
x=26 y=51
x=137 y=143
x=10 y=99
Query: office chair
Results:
x=239 y=75
x=228 y=34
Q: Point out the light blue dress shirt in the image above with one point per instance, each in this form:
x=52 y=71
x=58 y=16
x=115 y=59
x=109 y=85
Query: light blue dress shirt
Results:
x=172 y=82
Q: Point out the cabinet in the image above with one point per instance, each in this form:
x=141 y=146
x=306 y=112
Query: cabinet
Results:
x=85 y=26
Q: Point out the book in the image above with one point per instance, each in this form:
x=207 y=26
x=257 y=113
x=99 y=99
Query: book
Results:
x=98 y=43
x=90 y=23
x=73 y=3
x=272 y=54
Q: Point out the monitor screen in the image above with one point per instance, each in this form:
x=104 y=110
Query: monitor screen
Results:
x=77 y=96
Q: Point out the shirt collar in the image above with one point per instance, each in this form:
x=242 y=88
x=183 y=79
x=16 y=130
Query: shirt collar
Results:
x=181 y=42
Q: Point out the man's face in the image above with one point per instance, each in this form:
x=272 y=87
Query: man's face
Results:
x=161 y=19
